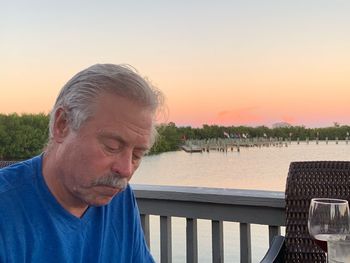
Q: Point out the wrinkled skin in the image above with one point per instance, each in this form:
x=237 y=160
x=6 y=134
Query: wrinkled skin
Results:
x=81 y=167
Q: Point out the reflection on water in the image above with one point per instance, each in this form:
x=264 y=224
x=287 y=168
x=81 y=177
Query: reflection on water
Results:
x=251 y=168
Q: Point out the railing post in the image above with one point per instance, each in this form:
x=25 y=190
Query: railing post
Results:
x=165 y=239
x=217 y=241
x=191 y=240
x=245 y=238
x=273 y=231
x=146 y=229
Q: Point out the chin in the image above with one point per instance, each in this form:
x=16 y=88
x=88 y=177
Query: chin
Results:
x=98 y=199
x=100 y=202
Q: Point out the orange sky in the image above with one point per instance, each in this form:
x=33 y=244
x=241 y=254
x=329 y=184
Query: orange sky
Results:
x=241 y=63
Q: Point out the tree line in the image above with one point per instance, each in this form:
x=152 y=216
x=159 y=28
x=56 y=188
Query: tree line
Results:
x=170 y=136
x=24 y=136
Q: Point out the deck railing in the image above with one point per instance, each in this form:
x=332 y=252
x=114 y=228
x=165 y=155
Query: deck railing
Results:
x=218 y=205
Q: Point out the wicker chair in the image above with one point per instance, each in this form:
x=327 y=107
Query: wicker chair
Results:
x=307 y=180
x=6 y=163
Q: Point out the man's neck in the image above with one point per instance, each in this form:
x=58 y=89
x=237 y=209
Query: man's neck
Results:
x=51 y=174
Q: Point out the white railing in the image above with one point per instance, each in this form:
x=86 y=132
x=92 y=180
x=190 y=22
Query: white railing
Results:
x=218 y=205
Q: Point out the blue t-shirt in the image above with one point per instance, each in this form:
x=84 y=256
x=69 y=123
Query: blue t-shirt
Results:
x=34 y=227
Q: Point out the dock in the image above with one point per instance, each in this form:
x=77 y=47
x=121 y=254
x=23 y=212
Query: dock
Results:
x=191 y=148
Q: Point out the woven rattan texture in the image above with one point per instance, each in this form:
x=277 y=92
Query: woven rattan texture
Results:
x=307 y=180
x=6 y=163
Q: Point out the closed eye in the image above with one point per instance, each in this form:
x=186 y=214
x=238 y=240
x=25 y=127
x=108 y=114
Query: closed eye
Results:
x=112 y=149
x=111 y=145
x=138 y=155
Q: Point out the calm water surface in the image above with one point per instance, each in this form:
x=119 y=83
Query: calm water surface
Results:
x=255 y=168
x=252 y=168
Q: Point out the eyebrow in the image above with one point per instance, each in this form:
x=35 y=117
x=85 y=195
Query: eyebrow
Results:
x=120 y=139
x=113 y=136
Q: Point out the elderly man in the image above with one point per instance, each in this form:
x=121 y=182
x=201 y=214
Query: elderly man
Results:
x=73 y=203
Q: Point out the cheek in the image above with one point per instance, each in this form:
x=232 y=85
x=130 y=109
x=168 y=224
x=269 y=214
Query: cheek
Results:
x=95 y=162
x=83 y=162
x=92 y=153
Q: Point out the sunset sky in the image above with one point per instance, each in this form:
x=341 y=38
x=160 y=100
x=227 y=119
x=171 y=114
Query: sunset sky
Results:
x=218 y=62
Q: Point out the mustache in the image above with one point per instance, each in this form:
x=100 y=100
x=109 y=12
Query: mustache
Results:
x=114 y=180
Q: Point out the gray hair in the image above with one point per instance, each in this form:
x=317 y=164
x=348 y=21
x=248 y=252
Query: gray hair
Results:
x=79 y=95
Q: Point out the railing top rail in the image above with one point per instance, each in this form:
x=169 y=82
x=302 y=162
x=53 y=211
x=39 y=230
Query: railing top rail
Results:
x=273 y=199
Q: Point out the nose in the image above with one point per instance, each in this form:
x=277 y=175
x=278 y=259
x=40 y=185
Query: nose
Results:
x=122 y=164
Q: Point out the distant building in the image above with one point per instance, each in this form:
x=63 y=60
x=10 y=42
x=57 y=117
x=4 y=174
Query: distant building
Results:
x=281 y=125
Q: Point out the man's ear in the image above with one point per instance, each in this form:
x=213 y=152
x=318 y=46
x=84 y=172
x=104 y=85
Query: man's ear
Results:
x=61 y=125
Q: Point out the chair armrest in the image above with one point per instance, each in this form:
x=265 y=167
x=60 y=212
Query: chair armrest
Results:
x=276 y=251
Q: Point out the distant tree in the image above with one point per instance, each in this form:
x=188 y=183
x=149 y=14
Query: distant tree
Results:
x=169 y=139
x=22 y=136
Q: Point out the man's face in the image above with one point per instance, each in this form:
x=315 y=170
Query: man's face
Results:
x=104 y=153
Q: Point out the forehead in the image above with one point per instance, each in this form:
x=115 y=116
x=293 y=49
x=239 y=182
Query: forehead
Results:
x=119 y=116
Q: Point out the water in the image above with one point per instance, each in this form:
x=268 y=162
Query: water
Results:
x=339 y=252
x=263 y=168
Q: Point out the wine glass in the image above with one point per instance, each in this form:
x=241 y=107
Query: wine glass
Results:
x=328 y=220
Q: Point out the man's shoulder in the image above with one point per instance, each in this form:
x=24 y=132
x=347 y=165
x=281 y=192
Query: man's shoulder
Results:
x=18 y=174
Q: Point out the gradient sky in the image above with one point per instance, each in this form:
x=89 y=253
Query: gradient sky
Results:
x=218 y=62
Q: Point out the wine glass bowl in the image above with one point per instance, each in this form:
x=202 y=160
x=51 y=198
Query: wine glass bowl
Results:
x=328 y=220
